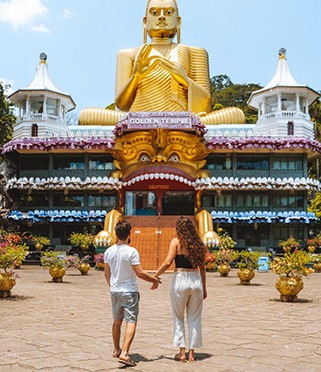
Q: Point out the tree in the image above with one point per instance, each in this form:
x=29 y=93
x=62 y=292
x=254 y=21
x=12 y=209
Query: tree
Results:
x=7 y=119
x=315 y=114
x=226 y=94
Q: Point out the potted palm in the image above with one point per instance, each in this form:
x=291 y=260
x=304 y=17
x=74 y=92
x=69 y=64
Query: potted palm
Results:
x=313 y=243
x=210 y=261
x=246 y=262
x=225 y=253
x=81 y=240
x=40 y=241
x=290 y=269
x=57 y=264
x=12 y=253
x=289 y=244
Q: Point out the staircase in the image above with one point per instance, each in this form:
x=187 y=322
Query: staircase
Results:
x=151 y=236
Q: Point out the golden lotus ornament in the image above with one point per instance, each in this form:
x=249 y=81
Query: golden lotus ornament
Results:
x=7 y=282
x=84 y=268
x=246 y=275
x=224 y=269
x=289 y=287
x=57 y=273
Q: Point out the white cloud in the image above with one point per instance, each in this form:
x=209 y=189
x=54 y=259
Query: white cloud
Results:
x=22 y=13
x=40 y=28
x=68 y=14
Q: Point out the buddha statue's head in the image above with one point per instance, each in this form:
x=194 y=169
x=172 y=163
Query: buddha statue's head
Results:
x=162 y=20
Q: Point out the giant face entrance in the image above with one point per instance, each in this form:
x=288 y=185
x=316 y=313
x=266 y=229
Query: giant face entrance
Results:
x=178 y=203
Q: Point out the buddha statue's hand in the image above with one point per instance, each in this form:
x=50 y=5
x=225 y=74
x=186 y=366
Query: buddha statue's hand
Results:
x=142 y=62
x=176 y=70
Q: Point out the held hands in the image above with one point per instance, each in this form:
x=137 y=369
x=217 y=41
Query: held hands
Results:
x=155 y=284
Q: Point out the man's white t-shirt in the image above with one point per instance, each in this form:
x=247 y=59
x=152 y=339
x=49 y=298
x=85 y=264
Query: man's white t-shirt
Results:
x=120 y=259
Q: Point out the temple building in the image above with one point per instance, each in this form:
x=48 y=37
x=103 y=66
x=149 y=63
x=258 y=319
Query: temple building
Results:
x=163 y=153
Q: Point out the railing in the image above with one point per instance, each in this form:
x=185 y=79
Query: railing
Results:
x=37 y=117
x=284 y=115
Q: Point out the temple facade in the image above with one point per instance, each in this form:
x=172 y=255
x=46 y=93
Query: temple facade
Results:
x=252 y=179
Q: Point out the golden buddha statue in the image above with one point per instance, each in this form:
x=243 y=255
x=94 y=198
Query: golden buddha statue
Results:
x=162 y=75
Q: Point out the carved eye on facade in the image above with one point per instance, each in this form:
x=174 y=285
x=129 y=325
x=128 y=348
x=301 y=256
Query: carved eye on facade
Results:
x=174 y=158
x=143 y=158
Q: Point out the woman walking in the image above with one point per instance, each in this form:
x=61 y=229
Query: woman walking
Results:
x=188 y=288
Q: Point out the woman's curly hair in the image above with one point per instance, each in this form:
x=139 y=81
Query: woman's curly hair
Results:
x=190 y=241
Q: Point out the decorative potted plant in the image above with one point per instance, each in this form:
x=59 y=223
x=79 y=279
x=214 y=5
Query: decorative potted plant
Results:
x=12 y=251
x=84 y=265
x=81 y=240
x=99 y=261
x=290 y=269
x=75 y=262
x=317 y=263
x=210 y=261
x=289 y=245
x=225 y=253
x=313 y=243
x=246 y=262
x=56 y=263
x=39 y=241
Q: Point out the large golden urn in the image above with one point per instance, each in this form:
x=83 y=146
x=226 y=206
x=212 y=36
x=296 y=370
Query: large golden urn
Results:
x=57 y=273
x=7 y=282
x=289 y=287
x=245 y=275
x=224 y=269
x=84 y=268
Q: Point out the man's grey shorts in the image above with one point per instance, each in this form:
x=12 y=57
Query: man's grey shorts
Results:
x=125 y=306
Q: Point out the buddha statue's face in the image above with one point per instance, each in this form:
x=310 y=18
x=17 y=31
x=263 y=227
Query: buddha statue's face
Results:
x=161 y=19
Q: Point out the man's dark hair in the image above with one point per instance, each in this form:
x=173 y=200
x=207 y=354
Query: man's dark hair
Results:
x=122 y=229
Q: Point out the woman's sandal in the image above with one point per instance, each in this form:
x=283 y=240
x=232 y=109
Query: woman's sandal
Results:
x=128 y=362
x=178 y=358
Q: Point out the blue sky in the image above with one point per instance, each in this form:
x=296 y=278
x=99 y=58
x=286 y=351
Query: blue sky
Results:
x=81 y=39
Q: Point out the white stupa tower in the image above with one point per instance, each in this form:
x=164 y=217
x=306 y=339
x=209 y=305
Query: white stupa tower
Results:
x=41 y=106
x=283 y=104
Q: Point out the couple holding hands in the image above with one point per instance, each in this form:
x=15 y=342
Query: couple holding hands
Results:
x=187 y=292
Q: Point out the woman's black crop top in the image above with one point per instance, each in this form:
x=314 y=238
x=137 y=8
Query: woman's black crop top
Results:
x=181 y=261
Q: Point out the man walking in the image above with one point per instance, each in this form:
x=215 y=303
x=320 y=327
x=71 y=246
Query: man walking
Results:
x=122 y=267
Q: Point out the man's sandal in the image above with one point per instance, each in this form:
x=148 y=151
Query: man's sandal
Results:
x=127 y=361
x=116 y=355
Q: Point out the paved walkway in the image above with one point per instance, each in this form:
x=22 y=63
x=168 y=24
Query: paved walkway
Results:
x=66 y=327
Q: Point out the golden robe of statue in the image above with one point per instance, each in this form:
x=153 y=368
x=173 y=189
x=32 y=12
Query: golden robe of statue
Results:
x=162 y=75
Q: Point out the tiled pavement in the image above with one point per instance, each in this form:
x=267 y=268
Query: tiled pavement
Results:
x=66 y=327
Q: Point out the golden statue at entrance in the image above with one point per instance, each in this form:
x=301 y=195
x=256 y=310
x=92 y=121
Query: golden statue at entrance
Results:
x=162 y=75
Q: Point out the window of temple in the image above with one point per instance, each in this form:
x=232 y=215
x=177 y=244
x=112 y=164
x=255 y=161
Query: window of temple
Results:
x=100 y=162
x=288 y=102
x=219 y=162
x=68 y=162
x=72 y=199
x=288 y=162
x=217 y=200
x=271 y=104
x=290 y=128
x=102 y=201
x=34 y=162
x=252 y=162
x=288 y=201
x=254 y=200
x=34 y=130
x=35 y=198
